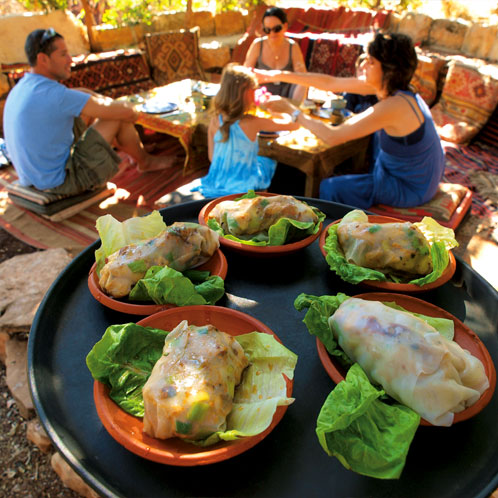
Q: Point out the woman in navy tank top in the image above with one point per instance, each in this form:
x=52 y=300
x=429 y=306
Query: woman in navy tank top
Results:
x=409 y=161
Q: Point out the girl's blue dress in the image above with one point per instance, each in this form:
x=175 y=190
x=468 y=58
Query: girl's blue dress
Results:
x=404 y=174
x=236 y=166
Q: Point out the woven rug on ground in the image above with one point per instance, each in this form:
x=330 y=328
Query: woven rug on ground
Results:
x=136 y=195
x=476 y=167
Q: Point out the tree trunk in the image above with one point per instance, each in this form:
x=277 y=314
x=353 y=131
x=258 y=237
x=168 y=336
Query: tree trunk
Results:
x=188 y=17
x=89 y=22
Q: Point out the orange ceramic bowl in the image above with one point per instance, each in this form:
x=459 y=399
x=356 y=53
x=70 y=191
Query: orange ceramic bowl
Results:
x=128 y=430
x=217 y=265
x=463 y=336
x=255 y=250
x=392 y=286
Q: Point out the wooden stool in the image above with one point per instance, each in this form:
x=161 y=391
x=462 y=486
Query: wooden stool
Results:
x=55 y=207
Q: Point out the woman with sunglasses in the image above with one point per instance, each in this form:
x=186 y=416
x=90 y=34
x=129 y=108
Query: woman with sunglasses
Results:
x=276 y=51
x=409 y=162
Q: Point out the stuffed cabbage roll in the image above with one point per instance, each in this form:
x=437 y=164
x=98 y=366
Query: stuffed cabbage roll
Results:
x=191 y=388
x=401 y=247
x=256 y=215
x=410 y=360
x=181 y=246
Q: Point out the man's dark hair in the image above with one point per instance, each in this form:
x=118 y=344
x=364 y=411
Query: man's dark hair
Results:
x=40 y=40
x=397 y=57
x=276 y=12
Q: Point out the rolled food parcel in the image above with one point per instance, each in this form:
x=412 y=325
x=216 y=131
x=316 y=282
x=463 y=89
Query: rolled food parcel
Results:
x=181 y=246
x=250 y=216
x=191 y=388
x=413 y=363
x=398 y=246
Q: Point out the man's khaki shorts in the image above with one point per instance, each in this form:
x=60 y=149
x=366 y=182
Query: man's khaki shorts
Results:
x=91 y=164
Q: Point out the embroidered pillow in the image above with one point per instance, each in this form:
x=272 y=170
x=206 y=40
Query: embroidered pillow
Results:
x=468 y=99
x=424 y=80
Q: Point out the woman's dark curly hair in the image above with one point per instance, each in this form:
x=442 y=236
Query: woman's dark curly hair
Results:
x=276 y=12
x=397 y=57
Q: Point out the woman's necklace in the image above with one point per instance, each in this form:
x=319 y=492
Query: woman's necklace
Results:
x=275 y=53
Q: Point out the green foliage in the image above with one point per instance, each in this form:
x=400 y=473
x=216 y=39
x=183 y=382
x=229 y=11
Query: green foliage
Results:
x=45 y=5
x=227 y=5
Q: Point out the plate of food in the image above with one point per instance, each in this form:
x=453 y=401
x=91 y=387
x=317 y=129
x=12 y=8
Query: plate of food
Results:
x=144 y=266
x=440 y=369
x=181 y=407
x=389 y=254
x=158 y=107
x=262 y=223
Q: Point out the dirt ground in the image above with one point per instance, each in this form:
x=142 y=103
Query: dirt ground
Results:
x=25 y=472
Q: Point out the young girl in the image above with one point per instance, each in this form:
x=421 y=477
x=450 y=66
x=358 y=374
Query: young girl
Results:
x=232 y=138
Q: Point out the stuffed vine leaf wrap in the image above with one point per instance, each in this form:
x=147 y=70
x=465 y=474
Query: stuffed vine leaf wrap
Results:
x=413 y=363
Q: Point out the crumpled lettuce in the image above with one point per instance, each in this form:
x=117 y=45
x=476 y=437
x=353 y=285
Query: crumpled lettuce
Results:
x=164 y=285
x=366 y=434
x=123 y=360
x=284 y=231
x=366 y=430
x=441 y=240
x=115 y=234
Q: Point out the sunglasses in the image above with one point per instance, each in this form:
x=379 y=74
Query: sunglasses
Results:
x=48 y=35
x=275 y=29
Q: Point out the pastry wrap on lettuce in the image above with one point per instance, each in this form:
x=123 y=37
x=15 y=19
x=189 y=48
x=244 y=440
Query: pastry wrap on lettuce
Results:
x=134 y=254
x=358 y=250
x=191 y=388
x=413 y=359
x=261 y=221
x=125 y=356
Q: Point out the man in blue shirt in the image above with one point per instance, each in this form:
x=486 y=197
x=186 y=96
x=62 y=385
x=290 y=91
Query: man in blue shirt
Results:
x=47 y=140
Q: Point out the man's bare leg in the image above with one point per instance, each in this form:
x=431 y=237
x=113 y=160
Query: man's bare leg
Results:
x=128 y=140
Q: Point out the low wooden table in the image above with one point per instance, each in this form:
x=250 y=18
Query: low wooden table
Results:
x=314 y=158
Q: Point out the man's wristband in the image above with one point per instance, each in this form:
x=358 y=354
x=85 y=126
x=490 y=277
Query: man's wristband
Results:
x=295 y=115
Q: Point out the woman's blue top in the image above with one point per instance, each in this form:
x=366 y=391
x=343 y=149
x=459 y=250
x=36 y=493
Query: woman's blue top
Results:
x=236 y=166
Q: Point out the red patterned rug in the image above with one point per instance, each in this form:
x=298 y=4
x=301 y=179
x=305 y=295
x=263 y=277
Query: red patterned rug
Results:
x=136 y=195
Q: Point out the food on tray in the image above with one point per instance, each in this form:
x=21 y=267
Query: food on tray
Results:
x=409 y=358
x=385 y=246
x=181 y=246
x=401 y=252
x=191 y=388
x=270 y=220
x=127 y=354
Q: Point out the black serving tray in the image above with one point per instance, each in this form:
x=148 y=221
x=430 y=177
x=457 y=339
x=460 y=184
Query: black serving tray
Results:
x=460 y=461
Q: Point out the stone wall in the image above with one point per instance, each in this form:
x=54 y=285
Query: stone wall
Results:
x=479 y=40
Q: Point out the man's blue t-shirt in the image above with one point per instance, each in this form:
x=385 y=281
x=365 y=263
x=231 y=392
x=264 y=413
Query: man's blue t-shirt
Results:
x=38 y=127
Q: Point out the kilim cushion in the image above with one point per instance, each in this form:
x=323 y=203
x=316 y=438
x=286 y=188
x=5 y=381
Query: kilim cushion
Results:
x=447 y=207
x=425 y=79
x=468 y=99
x=112 y=73
x=174 y=55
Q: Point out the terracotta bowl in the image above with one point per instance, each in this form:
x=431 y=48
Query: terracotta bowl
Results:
x=392 y=286
x=217 y=265
x=465 y=337
x=128 y=430
x=266 y=251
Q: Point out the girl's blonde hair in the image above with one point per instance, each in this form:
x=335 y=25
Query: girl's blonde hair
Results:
x=230 y=99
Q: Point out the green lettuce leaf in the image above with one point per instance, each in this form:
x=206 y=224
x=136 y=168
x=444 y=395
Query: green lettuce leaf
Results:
x=441 y=240
x=123 y=359
x=115 y=234
x=164 y=285
x=366 y=435
x=284 y=231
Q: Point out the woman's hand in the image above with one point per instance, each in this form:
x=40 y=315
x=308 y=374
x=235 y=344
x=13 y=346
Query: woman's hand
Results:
x=265 y=76
x=279 y=105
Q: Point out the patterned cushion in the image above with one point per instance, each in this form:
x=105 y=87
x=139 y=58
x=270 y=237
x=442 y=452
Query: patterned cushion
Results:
x=113 y=74
x=448 y=206
x=332 y=56
x=468 y=99
x=425 y=79
x=174 y=55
